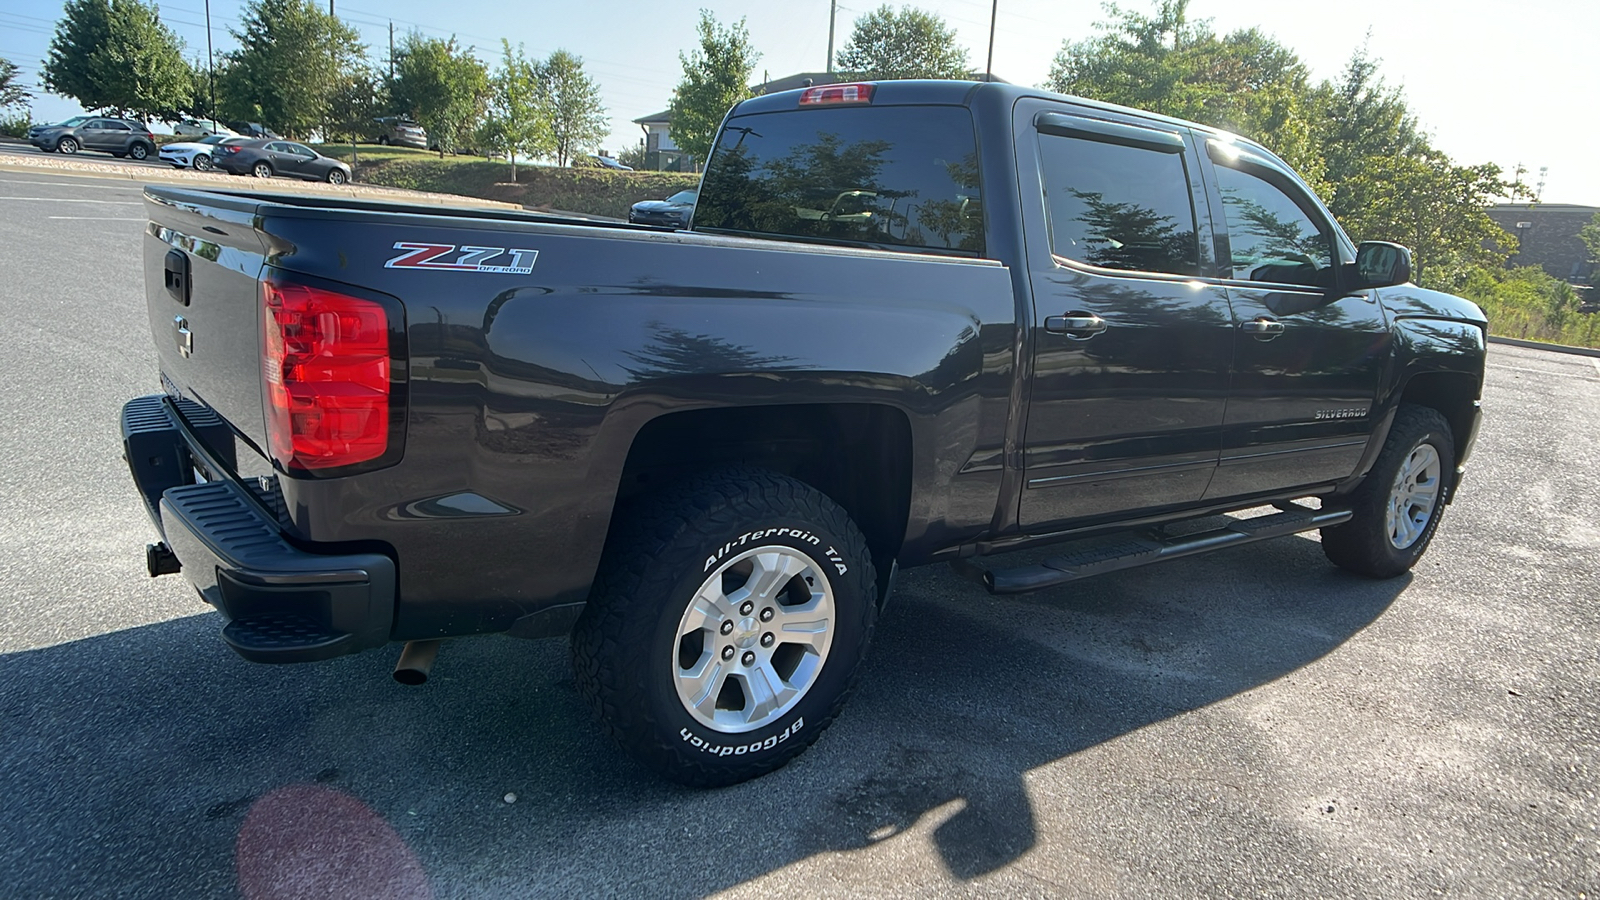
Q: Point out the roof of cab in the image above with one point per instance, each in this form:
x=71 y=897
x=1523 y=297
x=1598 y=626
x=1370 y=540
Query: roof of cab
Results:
x=964 y=93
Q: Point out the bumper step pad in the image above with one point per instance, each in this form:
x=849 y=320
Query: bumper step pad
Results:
x=1131 y=550
x=275 y=633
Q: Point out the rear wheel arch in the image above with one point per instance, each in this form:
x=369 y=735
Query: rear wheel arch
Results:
x=858 y=454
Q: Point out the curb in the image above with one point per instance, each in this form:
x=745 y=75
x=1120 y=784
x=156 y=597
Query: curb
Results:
x=115 y=172
x=1540 y=345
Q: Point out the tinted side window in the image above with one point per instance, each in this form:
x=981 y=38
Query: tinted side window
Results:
x=114 y=125
x=903 y=176
x=1119 y=207
x=1272 y=238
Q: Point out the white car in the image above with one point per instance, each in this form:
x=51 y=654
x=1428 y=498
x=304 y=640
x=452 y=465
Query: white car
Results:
x=196 y=154
x=201 y=127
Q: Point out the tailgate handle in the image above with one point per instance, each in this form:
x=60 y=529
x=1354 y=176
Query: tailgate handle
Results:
x=177 y=275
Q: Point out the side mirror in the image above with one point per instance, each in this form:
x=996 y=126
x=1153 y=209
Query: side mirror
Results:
x=1381 y=264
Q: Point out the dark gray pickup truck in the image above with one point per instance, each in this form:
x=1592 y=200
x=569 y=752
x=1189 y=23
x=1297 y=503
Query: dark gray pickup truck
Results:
x=911 y=322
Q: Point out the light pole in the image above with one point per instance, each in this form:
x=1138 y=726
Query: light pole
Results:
x=211 y=68
x=988 y=69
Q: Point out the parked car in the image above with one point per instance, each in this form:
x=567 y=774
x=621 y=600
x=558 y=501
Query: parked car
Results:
x=673 y=211
x=264 y=159
x=254 y=130
x=197 y=155
x=401 y=132
x=606 y=162
x=118 y=137
x=35 y=130
x=201 y=127
x=707 y=456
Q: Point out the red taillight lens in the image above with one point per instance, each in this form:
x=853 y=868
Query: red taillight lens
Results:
x=834 y=94
x=327 y=376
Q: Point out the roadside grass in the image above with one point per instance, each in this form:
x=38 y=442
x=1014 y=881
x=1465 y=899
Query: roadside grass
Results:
x=596 y=192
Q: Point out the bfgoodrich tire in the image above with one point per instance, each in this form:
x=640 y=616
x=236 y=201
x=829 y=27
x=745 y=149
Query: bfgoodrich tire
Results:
x=726 y=625
x=1396 y=509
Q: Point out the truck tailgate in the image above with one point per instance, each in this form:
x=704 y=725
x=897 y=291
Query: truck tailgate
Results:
x=201 y=266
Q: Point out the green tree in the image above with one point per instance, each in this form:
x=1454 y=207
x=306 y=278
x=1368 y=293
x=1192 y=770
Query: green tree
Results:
x=443 y=86
x=516 y=122
x=115 y=55
x=1361 y=117
x=292 y=60
x=12 y=93
x=910 y=43
x=1590 y=235
x=578 y=122
x=715 y=77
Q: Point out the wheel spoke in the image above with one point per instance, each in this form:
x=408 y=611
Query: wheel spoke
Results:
x=765 y=691
x=707 y=611
x=700 y=684
x=772 y=571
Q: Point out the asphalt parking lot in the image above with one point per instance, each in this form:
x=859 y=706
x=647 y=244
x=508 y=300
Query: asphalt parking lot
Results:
x=1251 y=723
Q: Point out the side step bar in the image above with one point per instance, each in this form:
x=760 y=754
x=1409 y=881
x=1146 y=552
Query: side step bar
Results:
x=1134 y=549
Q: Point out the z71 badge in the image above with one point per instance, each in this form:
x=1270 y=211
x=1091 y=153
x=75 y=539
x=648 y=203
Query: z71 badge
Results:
x=450 y=258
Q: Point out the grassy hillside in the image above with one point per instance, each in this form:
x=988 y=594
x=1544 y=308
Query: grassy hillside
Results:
x=598 y=192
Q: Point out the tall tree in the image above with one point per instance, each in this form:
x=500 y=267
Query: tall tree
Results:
x=291 y=61
x=517 y=122
x=910 y=43
x=12 y=93
x=1360 y=117
x=715 y=77
x=578 y=121
x=115 y=55
x=443 y=85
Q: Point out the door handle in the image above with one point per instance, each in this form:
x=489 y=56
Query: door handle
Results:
x=1264 y=329
x=1079 y=326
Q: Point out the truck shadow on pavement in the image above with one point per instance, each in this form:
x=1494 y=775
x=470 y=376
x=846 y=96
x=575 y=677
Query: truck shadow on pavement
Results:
x=142 y=762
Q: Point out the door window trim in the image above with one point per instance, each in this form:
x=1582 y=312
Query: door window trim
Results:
x=1139 y=137
x=1228 y=154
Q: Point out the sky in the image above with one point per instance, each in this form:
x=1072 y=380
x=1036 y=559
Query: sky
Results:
x=1500 y=82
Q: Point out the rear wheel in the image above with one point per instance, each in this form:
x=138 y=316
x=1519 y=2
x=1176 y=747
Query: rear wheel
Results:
x=1397 y=507
x=118 y=154
x=383 y=139
x=261 y=170
x=67 y=145
x=726 y=625
x=139 y=150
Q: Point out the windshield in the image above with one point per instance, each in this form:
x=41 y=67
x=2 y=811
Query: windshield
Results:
x=75 y=120
x=211 y=139
x=896 y=176
x=683 y=197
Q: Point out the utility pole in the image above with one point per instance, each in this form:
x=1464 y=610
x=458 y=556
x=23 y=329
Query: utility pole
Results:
x=391 y=51
x=988 y=69
x=211 y=68
x=833 y=12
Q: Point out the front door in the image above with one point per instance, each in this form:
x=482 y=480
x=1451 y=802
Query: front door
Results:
x=1131 y=349
x=1308 y=357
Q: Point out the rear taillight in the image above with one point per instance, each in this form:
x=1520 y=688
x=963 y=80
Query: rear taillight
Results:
x=836 y=94
x=328 y=376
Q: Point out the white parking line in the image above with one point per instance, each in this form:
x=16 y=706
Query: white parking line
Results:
x=72 y=200
x=101 y=218
x=71 y=182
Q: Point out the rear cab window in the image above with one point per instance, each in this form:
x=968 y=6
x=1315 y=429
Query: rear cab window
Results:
x=888 y=177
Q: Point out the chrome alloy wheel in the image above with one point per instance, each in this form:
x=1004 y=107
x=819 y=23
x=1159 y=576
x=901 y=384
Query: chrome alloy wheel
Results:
x=754 y=639
x=1414 y=496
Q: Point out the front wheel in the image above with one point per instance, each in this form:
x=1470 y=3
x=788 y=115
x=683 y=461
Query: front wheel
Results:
x=261 y=170
x=1396 y=509
x=336 y=176
x=202 y=163
x=67 y=145
x=726 y=626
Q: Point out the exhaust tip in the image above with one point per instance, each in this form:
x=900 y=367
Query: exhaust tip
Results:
x=416 y=661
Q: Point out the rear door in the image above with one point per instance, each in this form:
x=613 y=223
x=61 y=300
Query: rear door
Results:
x=1308 y=358
x=1131 y=348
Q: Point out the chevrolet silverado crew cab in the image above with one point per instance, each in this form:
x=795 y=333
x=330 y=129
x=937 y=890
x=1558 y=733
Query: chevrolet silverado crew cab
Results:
x=910 y=323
